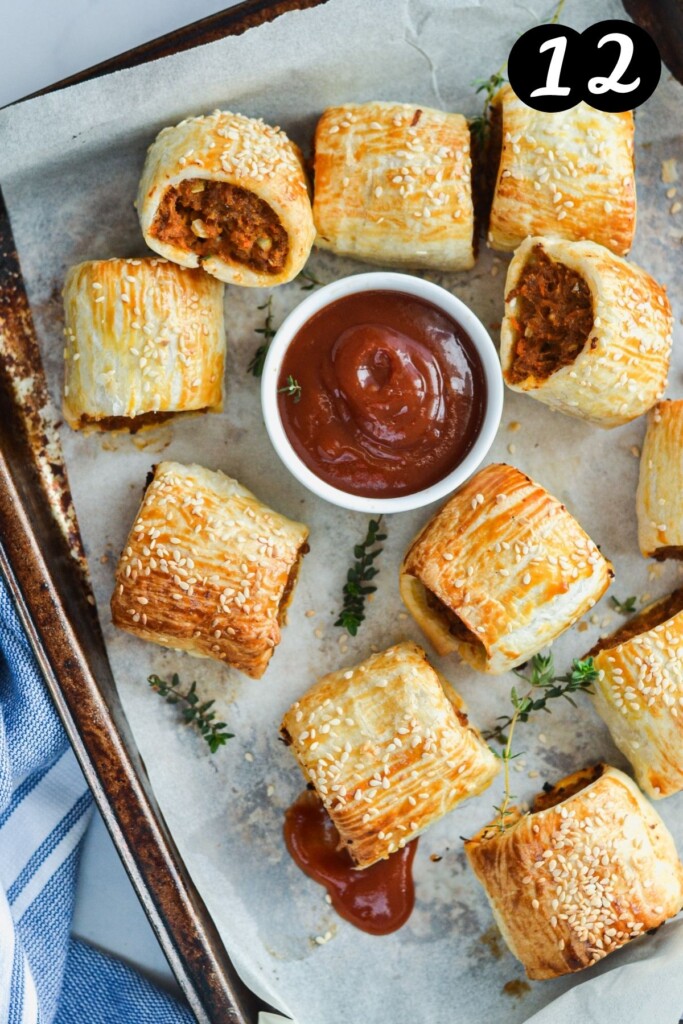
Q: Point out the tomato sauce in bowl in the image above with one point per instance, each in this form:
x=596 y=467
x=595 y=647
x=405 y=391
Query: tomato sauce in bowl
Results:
x=382 y=392
x=392 y=393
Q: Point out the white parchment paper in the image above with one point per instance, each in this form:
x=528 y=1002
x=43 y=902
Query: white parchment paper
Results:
x=69 y=166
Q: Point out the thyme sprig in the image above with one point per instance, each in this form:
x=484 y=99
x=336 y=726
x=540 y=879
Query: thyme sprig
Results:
x=310 y=278
x=481 y=123
x=198 y=715
x=542 y=678
x=626 y=607
x=358 y=585
x=268 y=331
x=293 y=388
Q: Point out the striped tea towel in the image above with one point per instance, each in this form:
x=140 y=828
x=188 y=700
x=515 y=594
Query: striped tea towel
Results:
x=45 y=807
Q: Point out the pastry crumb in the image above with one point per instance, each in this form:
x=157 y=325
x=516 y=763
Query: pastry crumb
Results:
x=669 y=171
x=248 y=756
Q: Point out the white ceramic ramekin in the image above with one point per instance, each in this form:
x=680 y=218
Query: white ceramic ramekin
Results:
x=382 y=281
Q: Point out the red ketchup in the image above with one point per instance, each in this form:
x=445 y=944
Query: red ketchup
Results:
x=392 y=394
x=378 y=899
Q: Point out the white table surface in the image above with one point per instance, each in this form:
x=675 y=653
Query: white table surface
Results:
x=58 y=38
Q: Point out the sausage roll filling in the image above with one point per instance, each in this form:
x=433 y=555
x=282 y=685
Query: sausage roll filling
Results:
x=451 y=621
x=215 y=218
x=553 y=317
x=651 y=617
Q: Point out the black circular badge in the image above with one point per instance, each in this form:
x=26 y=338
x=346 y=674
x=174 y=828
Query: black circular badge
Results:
x=613 y=65
x=622 y=65
x=544 y=68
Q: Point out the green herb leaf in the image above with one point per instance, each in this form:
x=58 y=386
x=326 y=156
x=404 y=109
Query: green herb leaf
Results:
x=268 y=331
x=626 y=607
x=480 y=125
x=541 y=676
x=311 y=280
x=196 y=714
x=293 y=388
x=356 y=588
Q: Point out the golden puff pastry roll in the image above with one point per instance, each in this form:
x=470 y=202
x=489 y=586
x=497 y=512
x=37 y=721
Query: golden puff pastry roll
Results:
x=568 y=175
x=145 y=340
x=659 y=501
x=208 y=569
x=501 y=571
x=393 y=185
x=227 y=193
x=584 y=331
x=388 y=748
x=639 y=693
x=590 y=868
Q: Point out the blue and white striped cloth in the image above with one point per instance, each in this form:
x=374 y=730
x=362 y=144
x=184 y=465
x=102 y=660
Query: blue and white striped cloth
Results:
x=45 y=807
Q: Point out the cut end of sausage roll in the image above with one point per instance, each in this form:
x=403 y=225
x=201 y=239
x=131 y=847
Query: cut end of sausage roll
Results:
x=659 y=502
x=393 y=185
x=388 y=748
x=639 y=693
x=568 y=174
x=228 y=193
x=584 y=331
x=501 y=571
x=590 y=868
x=553 y=318
x=208 y=569
x=145 y=340
x=216 y=219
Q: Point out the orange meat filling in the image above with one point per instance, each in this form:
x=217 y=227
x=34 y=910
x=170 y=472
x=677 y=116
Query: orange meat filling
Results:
x=643 y=622
x=573 y=784
x=553 y=318
x=456 y=627
x=214 y=218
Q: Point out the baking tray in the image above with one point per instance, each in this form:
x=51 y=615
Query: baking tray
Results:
x=41 y=556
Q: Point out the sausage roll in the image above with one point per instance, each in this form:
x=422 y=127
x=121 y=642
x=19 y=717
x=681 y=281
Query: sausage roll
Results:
x=591 y=867
x=568 y=174
x=500 y=571
x=144 y=340
x=388 y=748
x=659 y=501
x=639 y=693
x=208 y=569
x=227 y=193
x=584 y=331
x=393 y=185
